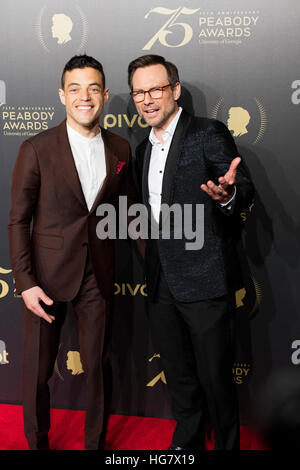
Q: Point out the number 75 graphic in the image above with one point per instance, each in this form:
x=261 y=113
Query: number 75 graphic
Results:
x=166 y=29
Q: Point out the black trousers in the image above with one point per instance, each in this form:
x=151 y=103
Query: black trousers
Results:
x=40 y=350
x=196 y=344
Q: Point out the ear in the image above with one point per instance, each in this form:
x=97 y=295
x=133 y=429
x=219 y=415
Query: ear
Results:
x=62 y=96
x=106 y=95
x=177 y=91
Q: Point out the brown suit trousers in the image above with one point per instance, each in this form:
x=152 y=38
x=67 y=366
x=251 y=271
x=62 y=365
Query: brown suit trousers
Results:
x=92 y=314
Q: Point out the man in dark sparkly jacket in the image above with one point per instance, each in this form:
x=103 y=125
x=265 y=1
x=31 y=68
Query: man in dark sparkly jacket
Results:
x=191 y=161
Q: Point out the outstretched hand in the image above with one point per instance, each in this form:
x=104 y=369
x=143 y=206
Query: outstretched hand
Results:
x=224 y=191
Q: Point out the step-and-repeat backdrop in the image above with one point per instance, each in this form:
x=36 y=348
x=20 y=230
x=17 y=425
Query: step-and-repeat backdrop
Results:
x=239 y=63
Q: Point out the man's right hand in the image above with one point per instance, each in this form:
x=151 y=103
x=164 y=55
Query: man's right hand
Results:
x=32 y=299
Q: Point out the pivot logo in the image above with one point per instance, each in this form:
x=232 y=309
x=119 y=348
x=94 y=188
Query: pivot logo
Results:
x=128 y=289
x=2 y=92
x=123 y=120
x=3 y=353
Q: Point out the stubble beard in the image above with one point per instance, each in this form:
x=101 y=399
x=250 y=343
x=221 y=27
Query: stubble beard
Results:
x=160 y=123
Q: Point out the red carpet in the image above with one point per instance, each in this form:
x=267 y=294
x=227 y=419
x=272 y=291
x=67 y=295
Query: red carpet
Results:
x=124 y=432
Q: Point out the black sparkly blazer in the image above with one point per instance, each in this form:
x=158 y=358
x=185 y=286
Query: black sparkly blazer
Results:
x=201 y=149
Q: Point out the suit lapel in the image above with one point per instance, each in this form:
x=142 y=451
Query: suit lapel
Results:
x=111 y=161
x=171 y=163
x=69 y=170
x=173 y=157
x=146 y=163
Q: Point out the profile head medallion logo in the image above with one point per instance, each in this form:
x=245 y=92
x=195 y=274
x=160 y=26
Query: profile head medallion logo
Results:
x=74 y=363
x=238 y=120
x=248 y=298
x=62 y=26
x=246 y=121
x=65 y=30
x=67 y=359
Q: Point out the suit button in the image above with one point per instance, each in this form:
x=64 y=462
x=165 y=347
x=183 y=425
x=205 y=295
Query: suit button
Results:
x=85 y=244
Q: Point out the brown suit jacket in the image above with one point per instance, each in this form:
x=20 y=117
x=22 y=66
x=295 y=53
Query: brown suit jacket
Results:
x=46 y=192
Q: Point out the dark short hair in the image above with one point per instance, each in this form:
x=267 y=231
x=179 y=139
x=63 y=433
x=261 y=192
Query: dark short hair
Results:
x=153 y=59
x=81 y=62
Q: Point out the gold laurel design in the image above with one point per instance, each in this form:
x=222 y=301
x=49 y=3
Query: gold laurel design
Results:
x=39 y=29
x=56 y=369
x=215 y=109
x=245 y=212
x=258 y=296
x=263 y=121
x=84 y=28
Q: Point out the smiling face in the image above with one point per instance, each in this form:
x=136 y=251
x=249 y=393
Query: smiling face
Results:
x=84 y=98
x=158 y=113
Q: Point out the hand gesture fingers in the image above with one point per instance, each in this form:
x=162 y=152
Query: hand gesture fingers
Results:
x=32 y=299
x=223 y=192
x=40 y=312
x=229 y=178
x=217 y=193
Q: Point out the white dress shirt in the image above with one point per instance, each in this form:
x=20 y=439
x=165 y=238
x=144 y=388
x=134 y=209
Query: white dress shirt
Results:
x=157 y=165
x=89 y=158
x=158 y=160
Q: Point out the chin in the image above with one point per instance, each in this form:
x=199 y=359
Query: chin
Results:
x=87 y=124
x=153 y=122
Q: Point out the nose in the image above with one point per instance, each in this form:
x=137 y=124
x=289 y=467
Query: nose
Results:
x=147 y=98
x=85 y=95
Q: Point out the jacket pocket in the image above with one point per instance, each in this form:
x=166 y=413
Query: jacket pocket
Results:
x=54 y=242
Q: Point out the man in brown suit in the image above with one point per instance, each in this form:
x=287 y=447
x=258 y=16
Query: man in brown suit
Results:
x=60 y=177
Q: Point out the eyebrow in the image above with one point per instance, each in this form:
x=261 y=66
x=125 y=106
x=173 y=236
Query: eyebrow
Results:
x=141 y=89
x=90 y=84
